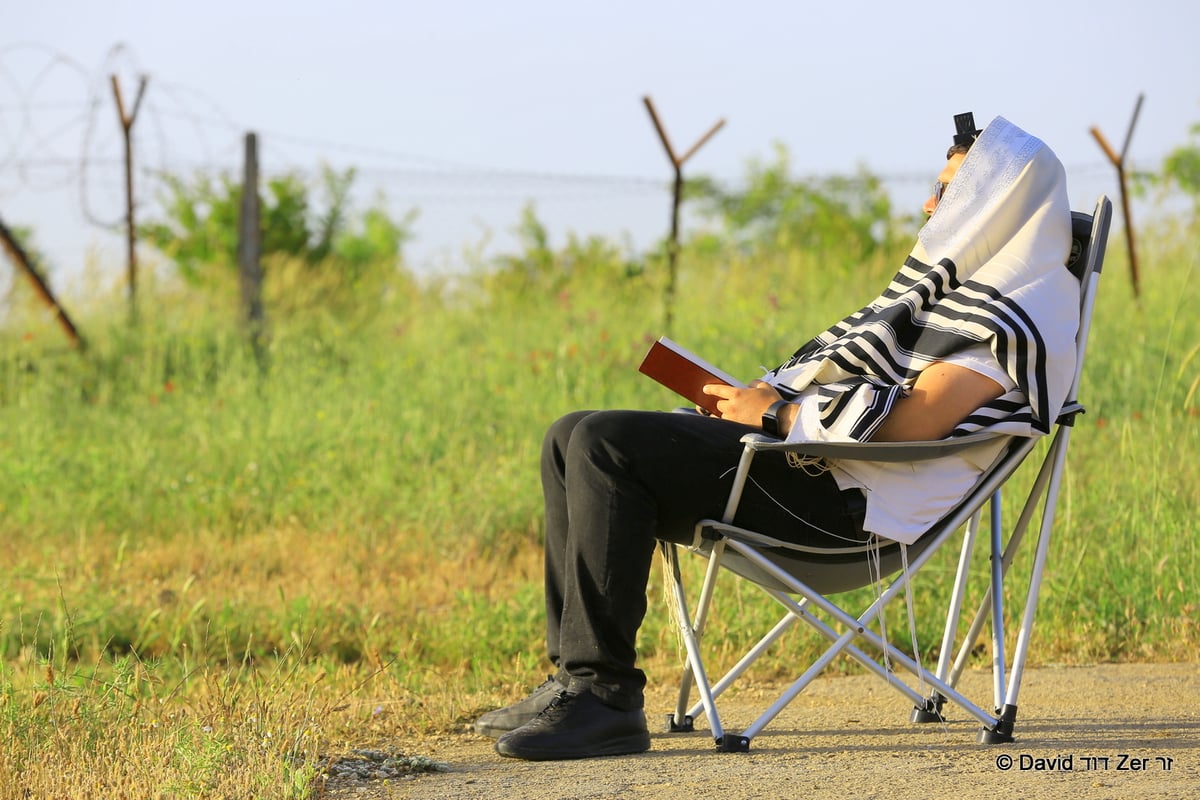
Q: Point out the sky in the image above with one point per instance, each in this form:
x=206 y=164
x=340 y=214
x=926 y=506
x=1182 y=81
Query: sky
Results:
x=465 y=111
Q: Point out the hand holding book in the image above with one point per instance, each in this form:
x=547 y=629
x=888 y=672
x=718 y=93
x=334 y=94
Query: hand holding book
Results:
x=685 y=373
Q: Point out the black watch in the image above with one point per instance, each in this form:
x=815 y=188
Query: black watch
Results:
x=770 y=419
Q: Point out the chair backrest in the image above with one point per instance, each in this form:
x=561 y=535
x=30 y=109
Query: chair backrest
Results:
x=1081 y=234
x=1089 y=240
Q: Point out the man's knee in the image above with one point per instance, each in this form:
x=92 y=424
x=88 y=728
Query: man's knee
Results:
x=609 y=438
x=559 y=434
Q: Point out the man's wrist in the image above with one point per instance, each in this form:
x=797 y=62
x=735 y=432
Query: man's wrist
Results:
x=776 y=420
x=788 y=419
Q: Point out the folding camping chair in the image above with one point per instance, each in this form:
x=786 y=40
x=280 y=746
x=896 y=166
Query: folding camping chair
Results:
x=786 y=571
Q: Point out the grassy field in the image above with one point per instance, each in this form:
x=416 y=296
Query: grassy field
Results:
x=220 y=567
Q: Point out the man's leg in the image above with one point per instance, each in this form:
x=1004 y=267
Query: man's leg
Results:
x=554 y=491
x=630 y=477
x=615 y=482
x=554 y=446
x=600 y=537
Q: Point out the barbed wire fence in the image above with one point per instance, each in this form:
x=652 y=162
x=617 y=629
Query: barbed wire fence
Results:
x=59 y=137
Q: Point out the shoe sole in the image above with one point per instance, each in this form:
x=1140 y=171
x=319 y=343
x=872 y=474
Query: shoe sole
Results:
x=619 y=747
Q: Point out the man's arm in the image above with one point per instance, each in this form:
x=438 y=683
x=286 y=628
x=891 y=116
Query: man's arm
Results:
x=943 y=396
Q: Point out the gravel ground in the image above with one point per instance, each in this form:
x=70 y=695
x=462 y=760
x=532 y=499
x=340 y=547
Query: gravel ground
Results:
x=1107 y=731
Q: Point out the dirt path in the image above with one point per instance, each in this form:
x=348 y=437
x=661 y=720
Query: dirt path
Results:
x=849 y=738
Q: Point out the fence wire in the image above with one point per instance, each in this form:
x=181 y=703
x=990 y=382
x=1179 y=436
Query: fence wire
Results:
x=61 y=167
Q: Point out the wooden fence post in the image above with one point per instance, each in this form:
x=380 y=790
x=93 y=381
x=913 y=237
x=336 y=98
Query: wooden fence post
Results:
x=1118 y=161
x=676 y=200
x=127 y=121
x=250 y=243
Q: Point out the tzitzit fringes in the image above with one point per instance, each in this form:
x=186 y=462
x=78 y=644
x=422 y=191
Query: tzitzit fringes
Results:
x=912 y=629
x=812 y=465
x=876 y=575
x=671 y=598
x=912 y=617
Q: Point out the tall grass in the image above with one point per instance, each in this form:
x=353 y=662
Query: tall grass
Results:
x=221 y=567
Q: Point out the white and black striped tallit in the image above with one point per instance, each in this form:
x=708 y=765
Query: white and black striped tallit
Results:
x=987 y=267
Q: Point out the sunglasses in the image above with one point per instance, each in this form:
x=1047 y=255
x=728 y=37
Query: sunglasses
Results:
x=939 y=189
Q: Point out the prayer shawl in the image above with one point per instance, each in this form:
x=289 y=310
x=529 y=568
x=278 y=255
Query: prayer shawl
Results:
x=988 y=266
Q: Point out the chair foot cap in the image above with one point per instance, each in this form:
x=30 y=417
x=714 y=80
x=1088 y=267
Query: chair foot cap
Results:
x=687 y=726
x=733 y=744
x=1002 y=731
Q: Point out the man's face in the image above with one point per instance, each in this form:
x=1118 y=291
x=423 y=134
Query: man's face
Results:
x=944 y=177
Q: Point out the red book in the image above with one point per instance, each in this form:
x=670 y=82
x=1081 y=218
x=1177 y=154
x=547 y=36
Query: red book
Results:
x=685 y=373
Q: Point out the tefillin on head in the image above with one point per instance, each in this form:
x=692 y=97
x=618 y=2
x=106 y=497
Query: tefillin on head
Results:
x=965 y=133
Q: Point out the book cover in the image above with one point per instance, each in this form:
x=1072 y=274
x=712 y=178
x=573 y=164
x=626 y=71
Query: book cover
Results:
x=684 y=373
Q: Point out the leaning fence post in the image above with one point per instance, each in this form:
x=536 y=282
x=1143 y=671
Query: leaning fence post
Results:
x=9 y=243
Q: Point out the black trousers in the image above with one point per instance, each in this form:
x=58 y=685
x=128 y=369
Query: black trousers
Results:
x=617 y=481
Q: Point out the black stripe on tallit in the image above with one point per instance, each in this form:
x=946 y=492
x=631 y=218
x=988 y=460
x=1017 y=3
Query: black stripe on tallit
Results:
x=998 y=410
x=1028 y=345
x=833 y=402
x=870 y=420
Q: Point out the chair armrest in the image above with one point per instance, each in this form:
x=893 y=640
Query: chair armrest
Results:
x=871 y=451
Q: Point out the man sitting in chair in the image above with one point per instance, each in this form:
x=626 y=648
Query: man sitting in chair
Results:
x=975 y=332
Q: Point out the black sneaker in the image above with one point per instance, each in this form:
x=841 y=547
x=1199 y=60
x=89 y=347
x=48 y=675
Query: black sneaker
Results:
x=502 y=720
x=577 y=726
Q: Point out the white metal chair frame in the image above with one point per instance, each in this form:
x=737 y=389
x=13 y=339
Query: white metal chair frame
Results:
x=741 y=550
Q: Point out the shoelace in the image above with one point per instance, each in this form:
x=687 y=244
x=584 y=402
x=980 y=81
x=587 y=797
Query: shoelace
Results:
x=560 y=701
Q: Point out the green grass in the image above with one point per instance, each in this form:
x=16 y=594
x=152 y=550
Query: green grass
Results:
x=248 y=562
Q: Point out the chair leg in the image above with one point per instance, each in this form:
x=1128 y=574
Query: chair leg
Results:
x=690 y=631
x=746 y=661
x=999 y=664
x=1002 y=732
x=931 y=710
